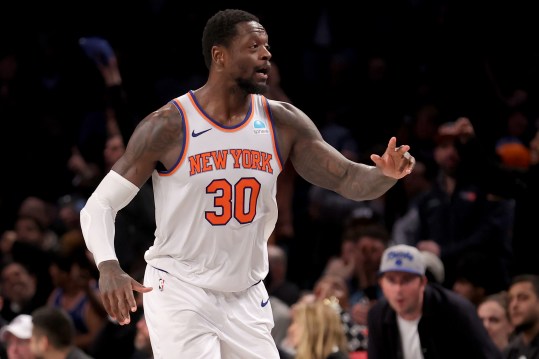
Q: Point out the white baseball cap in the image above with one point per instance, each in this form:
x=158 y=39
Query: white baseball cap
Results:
x=20 y=326
x=402 y=258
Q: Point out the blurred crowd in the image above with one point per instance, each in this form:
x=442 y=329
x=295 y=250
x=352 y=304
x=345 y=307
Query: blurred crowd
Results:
x=458 y=82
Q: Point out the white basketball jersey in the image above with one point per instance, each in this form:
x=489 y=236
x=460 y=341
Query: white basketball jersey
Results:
x=216 y=209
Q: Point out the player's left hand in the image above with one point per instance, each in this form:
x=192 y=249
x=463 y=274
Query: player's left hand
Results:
x=396 y=162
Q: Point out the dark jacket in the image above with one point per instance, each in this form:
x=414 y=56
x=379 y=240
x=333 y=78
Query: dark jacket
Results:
x=449 y=328
x=518 y=349
x=77 y=353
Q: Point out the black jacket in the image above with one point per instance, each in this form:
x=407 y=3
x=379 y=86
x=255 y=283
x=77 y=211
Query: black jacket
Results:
x=517 y=349
x=449 y=328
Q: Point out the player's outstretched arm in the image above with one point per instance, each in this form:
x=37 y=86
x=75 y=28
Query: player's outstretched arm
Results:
x=321 y=164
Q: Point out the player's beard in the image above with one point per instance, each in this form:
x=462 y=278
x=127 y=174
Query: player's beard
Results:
x=251 y=87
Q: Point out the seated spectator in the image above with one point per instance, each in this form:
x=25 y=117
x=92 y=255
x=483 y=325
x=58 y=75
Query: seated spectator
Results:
x=279 y=286
x=19 y=291
x=76 y=293
x=371 y=241
x=16 y=336
x=524 y=314
x=27 y=244
x=44 y=213
x=417 y=320
x=316 y=331
x=460 y=213
x=343 y=264
x=494 y=313
x=333 y=288
x=53 y=335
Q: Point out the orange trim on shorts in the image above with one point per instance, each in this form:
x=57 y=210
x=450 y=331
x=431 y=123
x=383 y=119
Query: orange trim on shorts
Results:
x=217 y=125
x=185 y=142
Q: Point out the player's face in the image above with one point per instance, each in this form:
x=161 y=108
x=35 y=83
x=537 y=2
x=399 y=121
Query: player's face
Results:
x=404 y=292
x=250 y=58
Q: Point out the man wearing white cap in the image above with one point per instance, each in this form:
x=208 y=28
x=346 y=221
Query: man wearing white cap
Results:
x=416 y=320
x=16 y=337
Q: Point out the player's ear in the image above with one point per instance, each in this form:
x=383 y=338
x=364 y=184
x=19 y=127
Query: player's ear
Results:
x=218 y=56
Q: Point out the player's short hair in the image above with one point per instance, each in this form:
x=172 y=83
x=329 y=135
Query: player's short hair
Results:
x=221 y=29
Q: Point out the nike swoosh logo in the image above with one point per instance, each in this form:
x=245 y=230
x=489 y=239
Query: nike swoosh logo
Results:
x=263 y=304
x=196 y=134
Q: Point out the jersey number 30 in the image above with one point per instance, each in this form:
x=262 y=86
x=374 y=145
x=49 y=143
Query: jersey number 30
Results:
x=237 y=200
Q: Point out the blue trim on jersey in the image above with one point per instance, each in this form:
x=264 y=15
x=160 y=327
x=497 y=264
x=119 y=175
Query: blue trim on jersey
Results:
x=183 y=141
x=216 y=123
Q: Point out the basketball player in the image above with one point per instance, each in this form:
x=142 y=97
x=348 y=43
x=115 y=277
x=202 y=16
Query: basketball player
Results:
x=214 y=155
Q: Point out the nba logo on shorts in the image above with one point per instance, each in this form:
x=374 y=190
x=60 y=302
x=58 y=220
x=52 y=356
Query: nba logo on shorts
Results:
x=161 y=284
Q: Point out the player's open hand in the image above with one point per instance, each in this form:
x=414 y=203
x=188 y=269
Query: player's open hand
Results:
x=396 y=162
x=116 y=288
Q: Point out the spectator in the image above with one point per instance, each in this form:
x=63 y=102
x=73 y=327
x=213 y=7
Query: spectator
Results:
x=316 y=331
x=53 y=335
x=420 y=320
x=524 y=314
x=343 y=265
x=334 y=288
x=16 y=337
x=371 y=242
x=135 y=225
x=280 y=286
x=494 y=313
x=19 y=291
x=459 y=214
x=77 y=294
x=414 y=188
x=45 y=214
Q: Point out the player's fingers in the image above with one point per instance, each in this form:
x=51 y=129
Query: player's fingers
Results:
x=402 y=149
x=107 y=305
x=112 y=305
x=138 y=287
x=412 y=165
x=124 y=307
x=392 y=144
x=376 y=159
x=131 y=303
x=408 y=162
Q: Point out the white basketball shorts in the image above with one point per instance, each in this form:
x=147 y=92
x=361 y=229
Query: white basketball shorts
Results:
x=186 y=321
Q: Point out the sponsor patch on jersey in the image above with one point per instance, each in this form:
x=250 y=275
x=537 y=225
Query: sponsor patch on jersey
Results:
x=259 y=128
